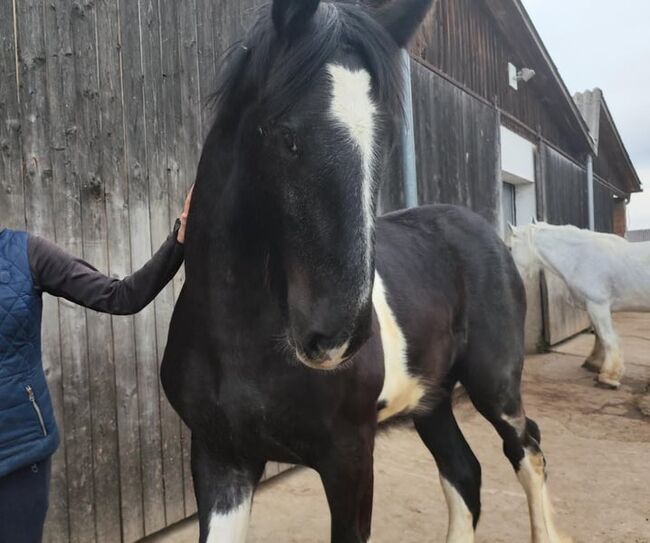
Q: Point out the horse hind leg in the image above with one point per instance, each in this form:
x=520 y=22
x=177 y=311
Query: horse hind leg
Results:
x=521 y=445
x=495 y=390
x=460 y=471
x=595 y=360
x=612 y=368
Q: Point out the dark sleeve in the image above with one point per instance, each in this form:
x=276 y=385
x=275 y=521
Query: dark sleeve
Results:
x=59 y=273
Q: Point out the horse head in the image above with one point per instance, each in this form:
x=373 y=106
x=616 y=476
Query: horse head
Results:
x=521 y=242
x=310 y=103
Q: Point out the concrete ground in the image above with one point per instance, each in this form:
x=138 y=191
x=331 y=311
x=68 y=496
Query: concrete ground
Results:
x=596 y=441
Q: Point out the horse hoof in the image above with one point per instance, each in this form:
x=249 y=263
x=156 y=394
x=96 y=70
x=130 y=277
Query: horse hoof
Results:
x=607 y=383
x=590 y=366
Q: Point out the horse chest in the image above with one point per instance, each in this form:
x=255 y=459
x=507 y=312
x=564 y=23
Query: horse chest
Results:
x=402 y=392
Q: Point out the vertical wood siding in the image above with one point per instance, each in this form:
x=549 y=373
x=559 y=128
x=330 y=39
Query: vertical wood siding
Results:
x=102 y=118
x=566 y=190
x=456 y=138
x=603 y=207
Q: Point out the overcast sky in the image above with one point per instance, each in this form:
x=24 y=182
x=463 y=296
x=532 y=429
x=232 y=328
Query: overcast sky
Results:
x=600 y=43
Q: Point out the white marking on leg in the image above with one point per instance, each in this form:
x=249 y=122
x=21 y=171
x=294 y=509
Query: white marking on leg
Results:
x=612 y=369
x=354 y=109
x=597 y=357
x=461 y=522
x=532 y=476
x=230 y=527
x=401 y=391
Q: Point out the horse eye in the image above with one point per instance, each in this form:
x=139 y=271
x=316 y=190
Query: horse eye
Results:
x=289 y=139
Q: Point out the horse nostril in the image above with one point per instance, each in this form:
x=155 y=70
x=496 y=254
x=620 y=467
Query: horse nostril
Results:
x=315 y=344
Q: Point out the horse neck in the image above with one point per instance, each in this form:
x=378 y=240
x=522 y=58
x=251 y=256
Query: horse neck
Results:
x=558 y=248
x=230 y=239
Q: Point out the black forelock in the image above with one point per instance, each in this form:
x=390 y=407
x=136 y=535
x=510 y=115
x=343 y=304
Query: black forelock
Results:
x=274 y=72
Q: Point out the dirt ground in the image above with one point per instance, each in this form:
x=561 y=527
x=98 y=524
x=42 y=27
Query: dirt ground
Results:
x=596 y=441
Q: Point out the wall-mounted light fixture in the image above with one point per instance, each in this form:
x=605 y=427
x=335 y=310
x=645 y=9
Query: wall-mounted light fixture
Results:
x=525 y=75
x=515 y=76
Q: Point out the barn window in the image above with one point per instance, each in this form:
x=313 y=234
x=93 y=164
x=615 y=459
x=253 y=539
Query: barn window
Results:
x=509 y=204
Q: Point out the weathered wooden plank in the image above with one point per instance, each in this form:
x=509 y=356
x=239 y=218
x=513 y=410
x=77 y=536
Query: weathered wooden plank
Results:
x=562 y=318
x=158 y=32
x=457 y=155
x=12 y=198
x=566 y=190
x=61 y=95
x=603 y=208
x=126 y=374
x=120 y=348
x=84 y=376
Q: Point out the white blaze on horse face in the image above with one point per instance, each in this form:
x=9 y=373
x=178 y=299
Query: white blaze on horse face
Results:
x=402 y=392
x=353 y=108
x=230 y=527
x=461 y=522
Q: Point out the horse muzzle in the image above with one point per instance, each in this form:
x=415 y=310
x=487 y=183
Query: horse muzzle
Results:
x=324 y=359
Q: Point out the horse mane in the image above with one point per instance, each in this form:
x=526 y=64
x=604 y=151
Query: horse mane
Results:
x=276 y=72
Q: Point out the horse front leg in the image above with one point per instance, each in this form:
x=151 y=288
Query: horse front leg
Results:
x=224 y=493
x=612 y=368
x=347 y=476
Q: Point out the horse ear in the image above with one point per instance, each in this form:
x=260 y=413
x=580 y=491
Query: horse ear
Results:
x=401 y=18
x=511 y=228
x=290 y=17
x=534 y=220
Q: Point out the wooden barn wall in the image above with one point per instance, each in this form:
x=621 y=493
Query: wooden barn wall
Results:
x=603 y=207
x=457 y=147
x=462 y=40
x=606 y=164
x=565 y=202
x=101 y=124
x=565 y=190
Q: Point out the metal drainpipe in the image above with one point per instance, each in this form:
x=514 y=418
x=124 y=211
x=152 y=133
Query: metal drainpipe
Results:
x=590 y=191
x=409 y=168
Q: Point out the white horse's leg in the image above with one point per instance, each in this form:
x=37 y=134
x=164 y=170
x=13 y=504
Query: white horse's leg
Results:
x=596 y=359
x=612 y=368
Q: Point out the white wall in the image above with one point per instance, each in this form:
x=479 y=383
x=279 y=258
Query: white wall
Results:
x=517 y=158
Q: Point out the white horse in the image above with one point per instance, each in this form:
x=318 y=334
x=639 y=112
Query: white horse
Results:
x=604 y=273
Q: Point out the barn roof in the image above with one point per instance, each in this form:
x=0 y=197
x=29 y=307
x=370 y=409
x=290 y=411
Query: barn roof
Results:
x=517 y=27
x=606 y=136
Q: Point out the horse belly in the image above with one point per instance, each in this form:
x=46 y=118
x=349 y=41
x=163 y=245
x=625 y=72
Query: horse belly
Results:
x=402 y=392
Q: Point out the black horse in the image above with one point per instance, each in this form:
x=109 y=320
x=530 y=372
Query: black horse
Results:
x=288 y=273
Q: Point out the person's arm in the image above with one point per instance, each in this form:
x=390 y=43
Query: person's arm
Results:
x=59 y=273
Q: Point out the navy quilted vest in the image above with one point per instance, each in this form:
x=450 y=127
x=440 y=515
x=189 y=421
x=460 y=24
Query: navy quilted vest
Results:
x=28 y=432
